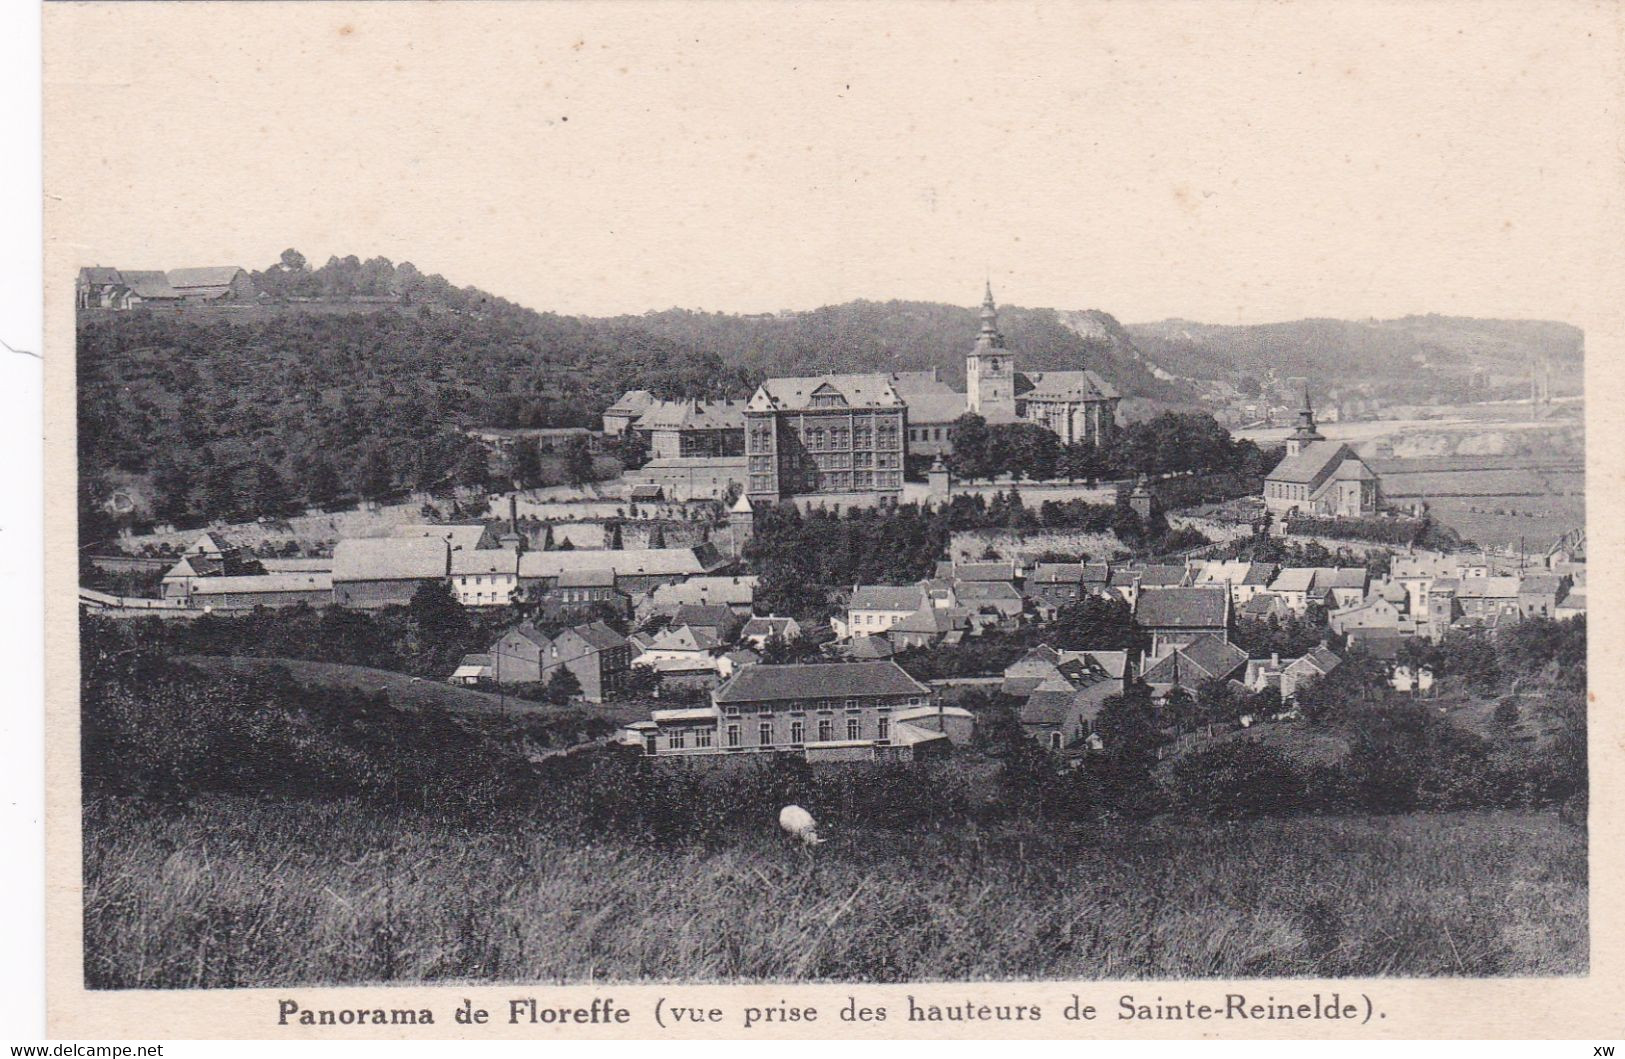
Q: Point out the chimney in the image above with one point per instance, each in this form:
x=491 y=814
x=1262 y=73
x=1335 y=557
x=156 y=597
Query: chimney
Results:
x=1275 y=660
x=513 y=513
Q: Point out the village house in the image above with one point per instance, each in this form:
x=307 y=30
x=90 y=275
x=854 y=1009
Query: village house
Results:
x=473 y=670
x=737 y=593
x=1175 y=617
x=1416 y=574
x=1485 y=598
x=484 y=578
x=1377 y=612
x=1051 y=586
x=758 y=631
x=1254 y=583
x=873 y=609
x=1263 y=607
x=930 y=626
x=519 y=656
x=1443 y=607
x=1314 y=665
x=714 y=619
x=1188 y=666
x=1300 y=587
x=1538 y=594
x=684 y=657
x=599 y=657
x=822 y=711
x=990 y=597
x=583 y=588
x=207 y=558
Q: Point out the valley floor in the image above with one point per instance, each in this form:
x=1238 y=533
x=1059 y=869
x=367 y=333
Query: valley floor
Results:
x=236 y=893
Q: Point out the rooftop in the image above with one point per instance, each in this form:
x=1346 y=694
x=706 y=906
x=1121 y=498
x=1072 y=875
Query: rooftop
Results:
x=818 y=680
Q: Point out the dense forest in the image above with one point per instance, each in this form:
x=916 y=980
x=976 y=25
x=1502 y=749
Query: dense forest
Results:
x=281 y=405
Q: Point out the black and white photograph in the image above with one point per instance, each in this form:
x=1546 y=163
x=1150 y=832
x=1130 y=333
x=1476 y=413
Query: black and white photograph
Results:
x=969 y=493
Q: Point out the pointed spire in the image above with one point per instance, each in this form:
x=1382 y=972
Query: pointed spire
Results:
x=990 y=320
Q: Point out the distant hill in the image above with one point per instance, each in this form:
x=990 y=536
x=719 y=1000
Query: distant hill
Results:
x=1408 y=350
x=908 y=336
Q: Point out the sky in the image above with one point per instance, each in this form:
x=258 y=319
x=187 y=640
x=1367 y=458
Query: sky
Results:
x=1226 y=163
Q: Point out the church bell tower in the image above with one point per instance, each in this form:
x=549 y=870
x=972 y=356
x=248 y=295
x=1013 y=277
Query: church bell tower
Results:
x=990 y=378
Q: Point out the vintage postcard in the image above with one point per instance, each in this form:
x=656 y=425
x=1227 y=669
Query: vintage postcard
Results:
x=833 y=521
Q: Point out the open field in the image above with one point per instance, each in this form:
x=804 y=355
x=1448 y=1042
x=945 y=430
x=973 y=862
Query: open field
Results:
x=403 y=690
x=238 y=893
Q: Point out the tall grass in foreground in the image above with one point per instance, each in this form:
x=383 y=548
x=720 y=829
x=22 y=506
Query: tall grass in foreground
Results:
x=256 y=893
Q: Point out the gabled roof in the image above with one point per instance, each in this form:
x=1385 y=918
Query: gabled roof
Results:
x=630 y=562
x=856 y=391
x=1222 y=571
x=149 y=284
x=705 y=614
x=99 y=275
x=870 y=647
x=1294 y=579
x=1342 y=577
x=768 y=626
x=1096 y=573
x=586 y=579
x=1313 y=462
x=467 y=537
x=934 y=409
x=886 y=597
x=388 y=559
x=1320 y=659
x=1165 y=575
x=733 y=591
x=1214 y=656
x=693 y=415
x=933 y=620
x=210 y=276
x=528 y=632
x=916 y=383
x=1489 y=588
x=598 y=636
x=1063 y=386
x=248 y=583
x=984 y=591
x=984 y=571
x=1182 y=608
x=684 y=638
x=496 y=561
x=1260 y=574
x=1262 y=605
x=631 y=402
x=1540 y=584
x=818 y=680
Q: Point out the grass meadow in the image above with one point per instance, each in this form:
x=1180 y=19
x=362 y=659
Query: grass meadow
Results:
x=236 y=892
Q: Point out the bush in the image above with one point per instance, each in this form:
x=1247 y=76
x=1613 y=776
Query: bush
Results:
x=1236 y=777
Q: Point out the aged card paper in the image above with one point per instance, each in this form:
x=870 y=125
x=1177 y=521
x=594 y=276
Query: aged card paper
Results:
x=822 y=521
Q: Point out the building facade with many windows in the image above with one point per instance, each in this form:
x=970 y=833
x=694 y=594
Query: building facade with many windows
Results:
x=827 y=434
x=822 y=711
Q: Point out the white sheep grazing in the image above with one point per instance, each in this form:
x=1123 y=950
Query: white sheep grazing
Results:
x=798 y=823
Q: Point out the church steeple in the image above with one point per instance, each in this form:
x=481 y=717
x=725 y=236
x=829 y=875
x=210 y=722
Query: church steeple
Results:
x=989 y=368
x=1305 y=432
x=990 y=321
